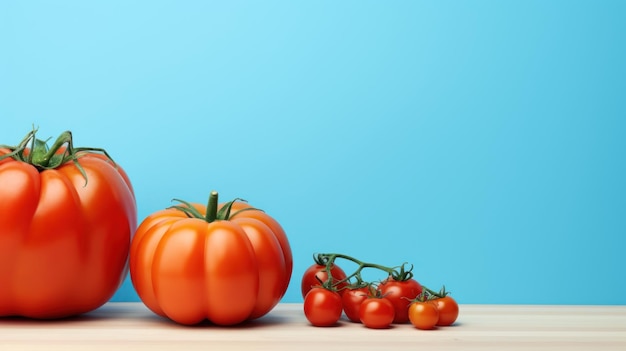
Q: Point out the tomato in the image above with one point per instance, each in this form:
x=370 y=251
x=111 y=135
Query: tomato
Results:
x=316 y=274
x=322 y=307
x=423 y=315
x=351 y=301
x=377 y=312
x=281 y=236
x=400 y=293
x=193 y=263
x=278 y=231
x=67 y=217
x=448 y=310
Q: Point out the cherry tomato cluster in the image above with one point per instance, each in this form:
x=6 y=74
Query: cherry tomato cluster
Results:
x=328 y=292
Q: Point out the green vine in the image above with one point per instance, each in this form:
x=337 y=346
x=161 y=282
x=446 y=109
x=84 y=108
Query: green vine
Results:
x=400 y=273
x=355 y=280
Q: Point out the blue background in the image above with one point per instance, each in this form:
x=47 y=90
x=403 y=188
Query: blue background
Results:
x=482 y=141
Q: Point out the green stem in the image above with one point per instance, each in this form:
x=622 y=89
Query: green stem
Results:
x=211 y=208
x=36 y=152
x=328 y=260
x=441 y=293
x=32 y=147
x=41 y=156
x=212 y=214
x=363 y=265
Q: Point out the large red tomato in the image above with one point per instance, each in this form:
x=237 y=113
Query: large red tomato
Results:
x=193 y=263
x=66 y=221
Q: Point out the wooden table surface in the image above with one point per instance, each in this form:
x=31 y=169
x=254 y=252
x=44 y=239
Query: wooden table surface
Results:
x=130 y=326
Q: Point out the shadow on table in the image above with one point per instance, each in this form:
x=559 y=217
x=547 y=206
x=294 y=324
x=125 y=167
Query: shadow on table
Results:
x=263 y=322
x=57 y=321
x=120 y=312
x=100 y=314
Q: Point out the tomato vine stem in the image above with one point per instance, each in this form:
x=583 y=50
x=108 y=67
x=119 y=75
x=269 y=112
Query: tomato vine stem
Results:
x=211 y=208
x=328 y=260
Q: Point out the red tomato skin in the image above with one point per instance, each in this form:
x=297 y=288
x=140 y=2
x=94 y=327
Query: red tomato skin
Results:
x=400 y=293
x=64 y=242
x=423 y=315
x=190 y=271
x=351 y=300
x=322 y=307
x=448 y=310
x=377 y=313
x=316 y=273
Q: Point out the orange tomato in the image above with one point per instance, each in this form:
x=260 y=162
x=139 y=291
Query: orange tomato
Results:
x=423 y=315
x=191 y=263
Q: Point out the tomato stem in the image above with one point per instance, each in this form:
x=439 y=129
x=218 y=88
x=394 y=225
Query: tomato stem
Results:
x=440 y=294
x=211 y=208
x=43 y=157
x=328 y=260
x=212 y=213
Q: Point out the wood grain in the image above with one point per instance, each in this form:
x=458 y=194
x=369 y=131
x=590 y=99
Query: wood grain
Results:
x=130 y=326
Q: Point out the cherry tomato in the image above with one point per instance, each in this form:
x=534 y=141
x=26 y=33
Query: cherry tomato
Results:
x=400 y=293
x=351 y=300
x=448 y=310
x=377 y=313
x=423 y=315
x=309 y=279
x=322 y=307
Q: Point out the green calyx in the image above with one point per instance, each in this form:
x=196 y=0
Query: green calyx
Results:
x=37 y=153
x=433 y=294
x=212 y=213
